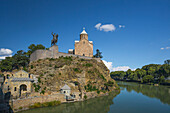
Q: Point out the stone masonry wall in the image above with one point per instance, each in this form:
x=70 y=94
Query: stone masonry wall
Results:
x=53 y=53
x=25 y=103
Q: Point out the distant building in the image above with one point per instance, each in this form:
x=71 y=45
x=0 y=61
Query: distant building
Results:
x=65 y=90
x=18 y=83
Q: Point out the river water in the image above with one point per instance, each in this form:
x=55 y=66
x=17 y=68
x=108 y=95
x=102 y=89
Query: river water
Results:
x=133 y=98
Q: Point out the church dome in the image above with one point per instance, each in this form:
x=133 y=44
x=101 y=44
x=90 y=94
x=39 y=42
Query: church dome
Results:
x=83 y=32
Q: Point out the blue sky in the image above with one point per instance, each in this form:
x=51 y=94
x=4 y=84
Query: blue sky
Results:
x=143 y=38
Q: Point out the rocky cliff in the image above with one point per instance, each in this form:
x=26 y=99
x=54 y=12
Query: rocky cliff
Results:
x=82 y=75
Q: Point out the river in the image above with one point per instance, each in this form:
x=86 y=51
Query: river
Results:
x=133 y=98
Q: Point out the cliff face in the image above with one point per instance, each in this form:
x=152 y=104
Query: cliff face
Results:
x=82 y=75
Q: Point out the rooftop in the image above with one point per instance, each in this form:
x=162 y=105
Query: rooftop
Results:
x=21 y=79
x=83 y=32
x=66 y=87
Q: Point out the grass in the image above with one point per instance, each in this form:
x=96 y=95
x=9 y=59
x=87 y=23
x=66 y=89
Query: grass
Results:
x=88 y=65
x=45 y=104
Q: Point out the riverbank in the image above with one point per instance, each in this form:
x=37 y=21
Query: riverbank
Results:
x=51 y=100
x=152 y=83
x=133 y=98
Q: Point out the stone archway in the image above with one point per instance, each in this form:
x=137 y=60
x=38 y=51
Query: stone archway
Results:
x=23 y=87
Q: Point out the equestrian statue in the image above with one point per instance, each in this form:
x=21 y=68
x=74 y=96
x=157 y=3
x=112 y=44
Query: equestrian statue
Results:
x=55 y=39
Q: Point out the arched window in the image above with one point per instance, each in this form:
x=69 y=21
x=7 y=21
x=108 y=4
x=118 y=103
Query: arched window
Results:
x=64 y=91
x=83 y=54
x=20 y=75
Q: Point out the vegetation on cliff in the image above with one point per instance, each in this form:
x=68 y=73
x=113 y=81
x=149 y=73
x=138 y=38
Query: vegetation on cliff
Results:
x=20 y=59
x=147 y=74
x=80 y=74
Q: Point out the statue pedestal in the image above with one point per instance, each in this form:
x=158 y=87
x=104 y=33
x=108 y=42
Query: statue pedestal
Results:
x=54 y=49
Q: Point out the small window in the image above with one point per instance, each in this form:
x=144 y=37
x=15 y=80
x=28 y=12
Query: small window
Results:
x=15 y=89
x=29 y=75
x=21 y=75
x=83 y=54
x=84 y=42
x=6 y=82
x=7 y=76
x=8 y=88
x=64 y=91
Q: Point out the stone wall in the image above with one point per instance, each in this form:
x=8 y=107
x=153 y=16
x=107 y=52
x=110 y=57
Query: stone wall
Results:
x=25 y=103
x=53 y=53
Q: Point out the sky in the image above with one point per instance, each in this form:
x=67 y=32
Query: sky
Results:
x=129 y=33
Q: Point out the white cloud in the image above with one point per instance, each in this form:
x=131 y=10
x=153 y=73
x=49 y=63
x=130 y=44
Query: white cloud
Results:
x=122 y=68
x=165 y=48
x=98 y=25
x=119 y=68
x=106 y=27
x=108 y=65
x=121 y=26
x=5 y=53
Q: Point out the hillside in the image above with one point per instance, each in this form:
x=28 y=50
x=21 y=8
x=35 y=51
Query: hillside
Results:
x=81 y=75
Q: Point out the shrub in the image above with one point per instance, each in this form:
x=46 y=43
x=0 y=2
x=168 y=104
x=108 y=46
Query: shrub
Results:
x=98 y=92
x=82 y=59
x=32 y=66
x=56 y=66
x=76 y=83
x=90 y=72
x=51 y=59
x=41 y=75
x=101 y=76
x=88 y=65
x=76 y=69
x=42 y=92
x=85 y=96
x=59 y=73
x=68 y=58
x=39 y=80
x=51 y=75
x=20 y=107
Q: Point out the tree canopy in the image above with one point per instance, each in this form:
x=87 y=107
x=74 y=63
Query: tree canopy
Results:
x=20 y=59
x=148 y=73
x=98 y=54
x=33 y=48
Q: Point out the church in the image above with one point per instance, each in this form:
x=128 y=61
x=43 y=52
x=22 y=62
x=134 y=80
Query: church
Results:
x=84 y=47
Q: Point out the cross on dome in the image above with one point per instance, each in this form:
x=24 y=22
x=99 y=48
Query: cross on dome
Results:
x=83 y=32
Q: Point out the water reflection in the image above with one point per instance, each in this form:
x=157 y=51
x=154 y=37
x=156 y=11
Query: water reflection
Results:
x=160 y=92
x=96 y=105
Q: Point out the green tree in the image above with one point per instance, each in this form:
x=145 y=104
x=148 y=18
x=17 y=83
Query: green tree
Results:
x=20 y=59
x=148 y=78
x=6 y=65
x=162 y=79
x=34 y=47
x=167 y=62
x=98 y=54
